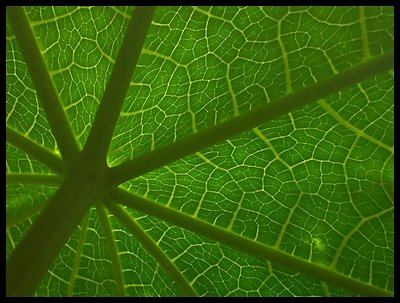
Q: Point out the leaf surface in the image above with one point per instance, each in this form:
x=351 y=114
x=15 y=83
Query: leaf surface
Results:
x=315 y=183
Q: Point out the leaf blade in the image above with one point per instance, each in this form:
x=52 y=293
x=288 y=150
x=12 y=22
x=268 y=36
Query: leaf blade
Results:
x=55 y=113
x=241 y=243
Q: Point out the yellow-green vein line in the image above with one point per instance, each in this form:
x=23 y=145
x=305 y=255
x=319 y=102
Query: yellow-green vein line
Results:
x=159 y=55
x=234 y=216
x=271 y=147
x=284 y=226
x=233 y=95
x=10 y=238
x=364 y=34
x=285 y=60
x=325 y=288
x=350 y=234
x=287 y=221
x=354 y=129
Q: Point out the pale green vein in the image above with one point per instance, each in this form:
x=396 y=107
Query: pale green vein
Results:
x=152 y=142
x=270 y=275
x=34 y=122
x=354 y=129
x=191 y=112
x=202 y=273
x=233 y=95
x=388 y=176
x=60 y=71
x=364 y=33
x=78 y=254
x=285 y=60
x=241 y=243
x=355 y=229
x=272 y=148
x=182 y=253
x=56 y=18
x=292 y=120
x=325 y=288
x=210 y=15
x=140 y=111
x=159 y=55
x=11 y=38
x=287 y=221
x=10 y=238
x=234 y=216
x=113 y=249
x=118 y=11
x=200 y=203
x=349 y=153
x=151 y=247
x=208 y=161
x=107 y=56
x=58 y=277
x=174 y=188
x=33 y=178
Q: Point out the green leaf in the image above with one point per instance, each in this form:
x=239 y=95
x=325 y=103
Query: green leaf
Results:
x=200 y=151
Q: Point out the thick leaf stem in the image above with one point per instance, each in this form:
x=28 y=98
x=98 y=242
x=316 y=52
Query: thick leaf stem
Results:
x=107 y=115
x=244 y=244
x=38 y=152
x=112 y=248
x=205 y=138
x=43 y=82
x=84 y=182
x=78 y=254
x=82 y=186
x=52 y=180
x=152 y=248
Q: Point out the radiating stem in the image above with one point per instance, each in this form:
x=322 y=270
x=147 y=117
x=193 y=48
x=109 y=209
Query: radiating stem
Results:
x=78 y=254
x=35 y=150
x=56 y=116
x=45 y=179
x=152 y=248
x=112 y=248
x=82 y=186
x=110 y=107
x=241 y=243
x=205 y=138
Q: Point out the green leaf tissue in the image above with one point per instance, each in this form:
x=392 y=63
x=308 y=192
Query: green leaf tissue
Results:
x=199 y=151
